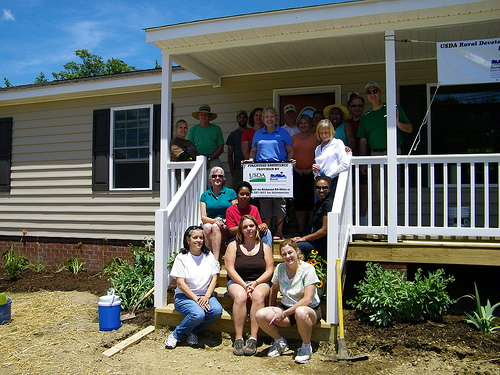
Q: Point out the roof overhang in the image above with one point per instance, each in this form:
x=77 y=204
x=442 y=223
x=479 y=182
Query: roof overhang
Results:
x=114 y=84
x=349 y=33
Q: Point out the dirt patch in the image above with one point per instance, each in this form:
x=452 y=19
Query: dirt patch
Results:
x=56 y=331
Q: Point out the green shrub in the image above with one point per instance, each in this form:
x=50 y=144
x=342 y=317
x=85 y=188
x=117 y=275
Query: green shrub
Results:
x=384 y=296
x=75 y=265
x=483 y=318
x=132 y=281
x=15 y=263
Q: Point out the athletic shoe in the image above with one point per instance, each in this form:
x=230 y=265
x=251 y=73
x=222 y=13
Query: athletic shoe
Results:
x=238 y=347
x=278 y=348
x=304 y=354
x=171 y=341
x=192 y=339
x=251 y=347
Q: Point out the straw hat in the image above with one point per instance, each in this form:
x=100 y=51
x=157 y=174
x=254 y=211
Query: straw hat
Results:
x=205 y=108
x=327 y=110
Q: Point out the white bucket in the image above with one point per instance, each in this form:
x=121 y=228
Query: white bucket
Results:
x=465 y=216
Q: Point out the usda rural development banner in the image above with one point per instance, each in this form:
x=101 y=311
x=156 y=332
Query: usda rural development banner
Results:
x=269 y=180
x=469 y=61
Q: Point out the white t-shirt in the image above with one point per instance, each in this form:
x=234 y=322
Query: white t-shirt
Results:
x=292 y=290
x=291 y=131
x=197 y=270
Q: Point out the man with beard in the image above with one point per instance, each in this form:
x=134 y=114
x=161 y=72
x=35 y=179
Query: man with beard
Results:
x=233 y=142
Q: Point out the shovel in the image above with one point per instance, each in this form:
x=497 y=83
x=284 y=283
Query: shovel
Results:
x=342 y=354
x=132 y=315
x=342 y=347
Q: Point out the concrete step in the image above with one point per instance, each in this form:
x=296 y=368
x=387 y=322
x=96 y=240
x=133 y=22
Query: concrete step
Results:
x=167 y=316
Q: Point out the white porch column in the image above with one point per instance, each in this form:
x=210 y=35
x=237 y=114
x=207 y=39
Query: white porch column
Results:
x=392 y=178
x=161 y=230
x=166 y=115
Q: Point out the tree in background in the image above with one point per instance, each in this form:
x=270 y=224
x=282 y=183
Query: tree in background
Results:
x=91 y=66
x=7 y=82
x=41 y=78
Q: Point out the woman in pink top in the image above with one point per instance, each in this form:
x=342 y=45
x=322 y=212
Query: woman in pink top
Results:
x=304 y=144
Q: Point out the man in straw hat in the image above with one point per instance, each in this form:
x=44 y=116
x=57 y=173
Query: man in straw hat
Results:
x=207 y=137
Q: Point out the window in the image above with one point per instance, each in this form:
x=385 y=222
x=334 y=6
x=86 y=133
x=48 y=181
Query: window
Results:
x=126 y=148
x=465 y=119
x=131 y=145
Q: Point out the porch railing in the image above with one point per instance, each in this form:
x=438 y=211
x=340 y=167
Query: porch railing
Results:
x=183 y=210
x=446 y=195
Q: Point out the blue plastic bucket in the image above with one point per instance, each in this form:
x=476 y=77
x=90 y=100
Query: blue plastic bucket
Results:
x=5 y=312
x=109 y=312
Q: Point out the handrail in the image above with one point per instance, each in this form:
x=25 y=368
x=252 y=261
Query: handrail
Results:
x=182 y=211
x=339 y=236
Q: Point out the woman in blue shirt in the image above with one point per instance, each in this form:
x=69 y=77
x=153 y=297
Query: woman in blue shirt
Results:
x=272 y=143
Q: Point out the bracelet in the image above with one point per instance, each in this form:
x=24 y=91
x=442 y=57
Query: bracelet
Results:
x=283 y=315
x=303 y=238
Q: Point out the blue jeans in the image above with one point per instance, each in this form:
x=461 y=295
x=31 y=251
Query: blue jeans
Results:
x=195 y=318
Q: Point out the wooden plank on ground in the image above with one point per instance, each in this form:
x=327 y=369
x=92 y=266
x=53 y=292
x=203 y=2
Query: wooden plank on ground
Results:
x=127 y=342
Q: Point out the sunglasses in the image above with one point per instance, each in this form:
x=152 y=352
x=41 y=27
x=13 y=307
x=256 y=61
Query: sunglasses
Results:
x=357 y=105
x=322 y=187
x=217 y=176
x=374 y=91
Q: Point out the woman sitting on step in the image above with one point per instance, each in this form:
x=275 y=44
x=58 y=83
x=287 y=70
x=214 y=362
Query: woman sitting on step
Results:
x=195 y=271
x=249 y=264
x=296 y=280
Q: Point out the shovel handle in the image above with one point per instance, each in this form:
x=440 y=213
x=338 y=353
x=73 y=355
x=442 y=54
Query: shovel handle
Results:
x=339 y=296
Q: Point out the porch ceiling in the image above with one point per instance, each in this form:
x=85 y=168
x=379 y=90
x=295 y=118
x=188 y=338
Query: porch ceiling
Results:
x=342 y=34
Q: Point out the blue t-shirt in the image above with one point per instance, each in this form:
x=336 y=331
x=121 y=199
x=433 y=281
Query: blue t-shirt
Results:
x=271 y=146
x=216 y=207
x=340 y=133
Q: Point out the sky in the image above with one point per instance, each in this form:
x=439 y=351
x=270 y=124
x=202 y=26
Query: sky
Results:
x=42 y=35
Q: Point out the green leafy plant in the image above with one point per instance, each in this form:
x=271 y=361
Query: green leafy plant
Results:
x=61 y=266
x=37 y=267
x=171 y=260
x=132 y=281
x=319 y=265
x=115 y=266
x=75 y=265
x=483 y=318
x=385 y=296
x=15 y=263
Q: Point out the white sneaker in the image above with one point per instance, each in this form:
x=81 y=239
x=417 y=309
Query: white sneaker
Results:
x=192 y=339
x=304 y=354
x=171 y=341
x=278 y=348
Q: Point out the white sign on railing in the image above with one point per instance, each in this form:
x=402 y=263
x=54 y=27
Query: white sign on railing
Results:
x=269 y=180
